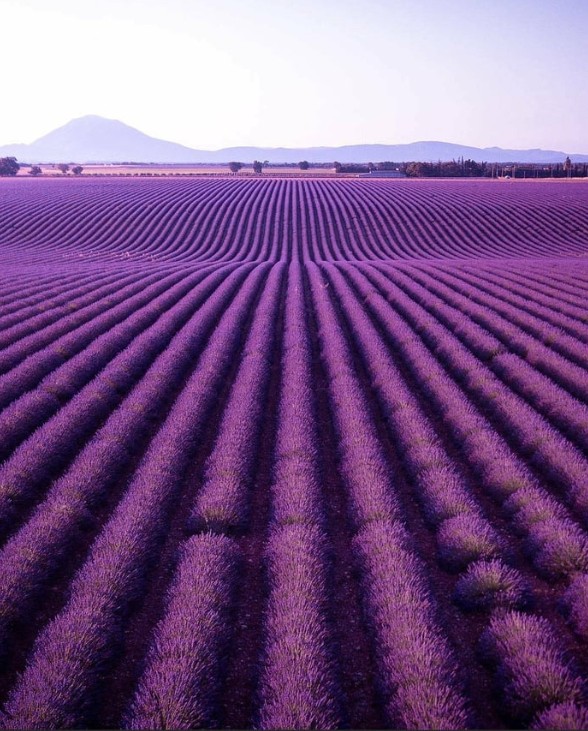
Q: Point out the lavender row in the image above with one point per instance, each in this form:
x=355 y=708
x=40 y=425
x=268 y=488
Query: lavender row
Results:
x=61 y=684
x=543 y=291
x=564 y=317
x=298 y=684
x=17 y=350
x=180 y=685
x=92 y=217
x=567 y=280
x=543 y=275
x=222 y=500
x=48 y=314
x=545 y=322
x=569 y=415
x=165 y=220
x=555 y=338
x=236 y=226
x=33 y=293
x=487 y=584
x=501 y=471
x=418 y=672
x=216 y=228
x=151 y=234
x=535 y=675
x=464 y=538
x=51 y=447
x=15 y=282
x=556 y=544
x=31 y=558
x=362 y=461
x=23 y=287
x=544 y=447
x=463 y=534
x=264 y=248
x=86 y=351
x=296 y=483
x=539 y=355
x=435 y=222
x=421 y=683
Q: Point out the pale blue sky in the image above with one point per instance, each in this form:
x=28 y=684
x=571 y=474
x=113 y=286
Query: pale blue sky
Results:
x=216 y=73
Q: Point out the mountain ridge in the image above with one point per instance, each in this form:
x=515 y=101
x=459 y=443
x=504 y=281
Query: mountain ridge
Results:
x=96 y=139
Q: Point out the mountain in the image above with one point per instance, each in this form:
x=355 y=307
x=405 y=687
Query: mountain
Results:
x=95 y=139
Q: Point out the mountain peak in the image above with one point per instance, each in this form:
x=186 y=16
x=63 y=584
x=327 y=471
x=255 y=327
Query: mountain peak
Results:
x=90 y=118
x=92 y=122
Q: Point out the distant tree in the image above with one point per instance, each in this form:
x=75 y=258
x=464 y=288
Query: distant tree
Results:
x=63 y=167
x=337 y=166
x=352 y=167
x=77 y=169
x=257 y=166
x=304 y=165
x=415 y=170
x=450 y=169
x=35 y=170
x=567 y=166
x=234 y=167
x=388 y=165
x=9 y=166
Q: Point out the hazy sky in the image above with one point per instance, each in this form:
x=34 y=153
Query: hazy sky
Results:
x=216 y=73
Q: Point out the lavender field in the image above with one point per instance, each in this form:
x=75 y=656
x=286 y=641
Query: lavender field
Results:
x=293 y=454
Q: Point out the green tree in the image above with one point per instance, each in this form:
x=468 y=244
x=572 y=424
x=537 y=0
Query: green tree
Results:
x=304 y=165
x=77 y=169
x=35 y=170
x=337 y=166
x=414 y=170
x=9 y=166
x=257 y=166
x=234 y=167
x=63 y=167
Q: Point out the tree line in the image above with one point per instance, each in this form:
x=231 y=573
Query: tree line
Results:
x=466 y=168
x=10 y=166
x=258 y=166
x=461 y=168
x=471 y=169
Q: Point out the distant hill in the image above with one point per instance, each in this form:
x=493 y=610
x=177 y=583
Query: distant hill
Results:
x=95 y=139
